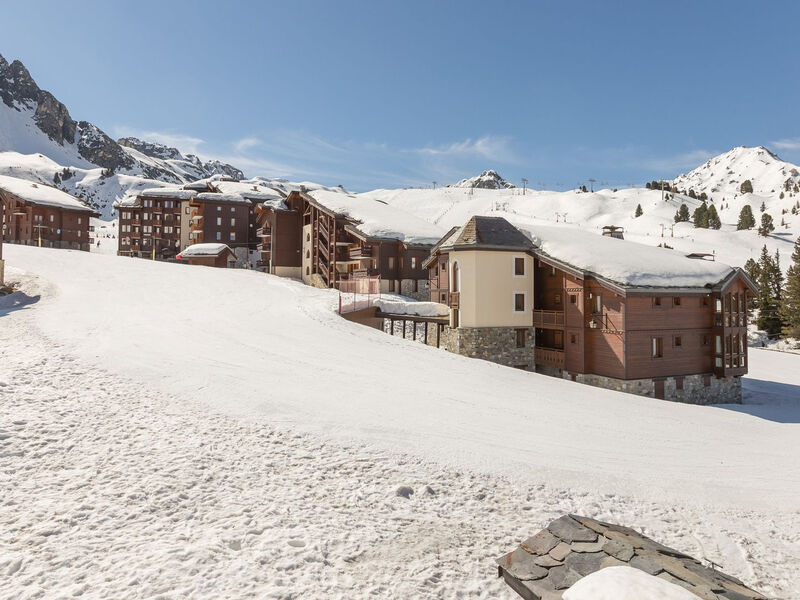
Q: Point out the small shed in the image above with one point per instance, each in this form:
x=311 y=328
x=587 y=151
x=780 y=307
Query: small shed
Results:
x=614 y=231
x=546 y=565
x=208 y=255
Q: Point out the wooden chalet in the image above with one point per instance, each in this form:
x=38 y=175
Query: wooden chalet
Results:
x=338 y=244
x=681 y=335
x=224 y=211
x=208 y=255
x=154 y=224
x=36 y=214
x=279 y=231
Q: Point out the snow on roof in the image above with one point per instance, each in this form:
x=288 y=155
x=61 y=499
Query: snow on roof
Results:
x=204 y=250
x=623 y=262
x=39 y=193
x=625 y=583
x=218 y=197
x=378 y=219
x=252 y=190
x=168 y=192
x=422 y=309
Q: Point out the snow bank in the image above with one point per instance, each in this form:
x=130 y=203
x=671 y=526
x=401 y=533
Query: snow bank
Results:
x=378 y=219
x=625 y=583
x=421 y=309
x=39 y=193
x=626 y=262
x=204 y=250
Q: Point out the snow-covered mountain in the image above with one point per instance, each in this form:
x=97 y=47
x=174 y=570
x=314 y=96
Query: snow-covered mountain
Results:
x=488 y=180
x=453 y=205
x=722 y=177
x=41 y=142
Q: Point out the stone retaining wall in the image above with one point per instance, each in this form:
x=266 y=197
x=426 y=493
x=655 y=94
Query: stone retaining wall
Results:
x=496 y=344
x=720 y=390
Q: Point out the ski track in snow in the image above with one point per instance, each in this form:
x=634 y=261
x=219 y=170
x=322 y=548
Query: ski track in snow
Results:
x=111 y=490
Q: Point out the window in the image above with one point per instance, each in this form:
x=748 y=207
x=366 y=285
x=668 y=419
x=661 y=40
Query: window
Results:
x=52 y=218
x=219 y=209
x=436 y=271
x=520 y=335
x=718 y=345
x=598 y=304
x=704 y=301
x=413 y=262
x=679 y=383
x=718 y=305
x=552 y=271
x=219 y=221
x=573 y=338
x=219 y=236
x=676 y=302
x=557 y=298
x=573 y=299
x=233 y=222
x=656 y=301
x=519 y=302
x=706 y=340
x=443 y=298
x=391 y=262
x=80 y=220
x=519 y=266
x=677 y=341
x=186 y=210
x=233 y=236
x=233 y=209
x=657 y=347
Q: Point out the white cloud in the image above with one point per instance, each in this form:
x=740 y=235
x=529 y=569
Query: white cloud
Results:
x=187 y=144
x=678 y=162
x=786 y=144
x=245 y=144
x=496 y=148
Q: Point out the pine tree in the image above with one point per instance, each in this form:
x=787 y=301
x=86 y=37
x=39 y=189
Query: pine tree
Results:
x=746 y=187
x=746 y=218
x=700 y=216
x=768 y=303
x=790 y=301
x=714 y=221
x=763 y=207
x=639 y=211
x=683 y=214
x=767 y=226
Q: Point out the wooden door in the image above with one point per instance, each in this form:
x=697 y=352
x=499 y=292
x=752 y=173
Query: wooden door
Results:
x=659 y=389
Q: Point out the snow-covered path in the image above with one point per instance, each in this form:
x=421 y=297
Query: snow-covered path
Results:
x=117 y=487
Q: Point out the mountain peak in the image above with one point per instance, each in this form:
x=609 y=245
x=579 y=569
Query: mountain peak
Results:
x=489 y=180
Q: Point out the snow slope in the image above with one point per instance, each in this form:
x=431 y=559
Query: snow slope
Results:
x=504 y=451
x=590 y=211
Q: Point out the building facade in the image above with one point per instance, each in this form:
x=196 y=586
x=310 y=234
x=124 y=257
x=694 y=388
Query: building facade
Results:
x=153 y=224
x=39 y=215
x=517 y=304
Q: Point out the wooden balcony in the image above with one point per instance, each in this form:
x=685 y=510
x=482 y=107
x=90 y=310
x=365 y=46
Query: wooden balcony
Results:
x=549 y=357
x=158 y=209
x=455 y=300
x=359 y=252
x=137 y=221
x=548 y=318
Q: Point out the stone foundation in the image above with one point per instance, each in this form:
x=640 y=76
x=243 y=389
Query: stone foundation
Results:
x=496 y=344
x=720 y=390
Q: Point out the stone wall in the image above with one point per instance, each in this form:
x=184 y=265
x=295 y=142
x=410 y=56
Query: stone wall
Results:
x=423 y=289
x=720 y=390
x=495 y=344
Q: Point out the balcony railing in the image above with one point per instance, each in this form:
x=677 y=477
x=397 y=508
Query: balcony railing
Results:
x=544 y=318
x=359 y=252
x=548 y=357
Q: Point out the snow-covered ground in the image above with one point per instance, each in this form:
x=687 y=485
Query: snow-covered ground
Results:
x=174 y=431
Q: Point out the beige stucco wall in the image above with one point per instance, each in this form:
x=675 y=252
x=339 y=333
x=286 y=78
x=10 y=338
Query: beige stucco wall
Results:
x=488 y=285
x=185 y=221
x=295 y=272
x=306 y=268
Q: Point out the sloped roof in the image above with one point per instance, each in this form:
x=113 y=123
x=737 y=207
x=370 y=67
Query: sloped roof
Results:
x=573 y=547
x=205 y=250
x=41 y=194
x=489 y=233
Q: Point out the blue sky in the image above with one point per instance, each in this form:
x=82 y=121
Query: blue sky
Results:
x=379 y=94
